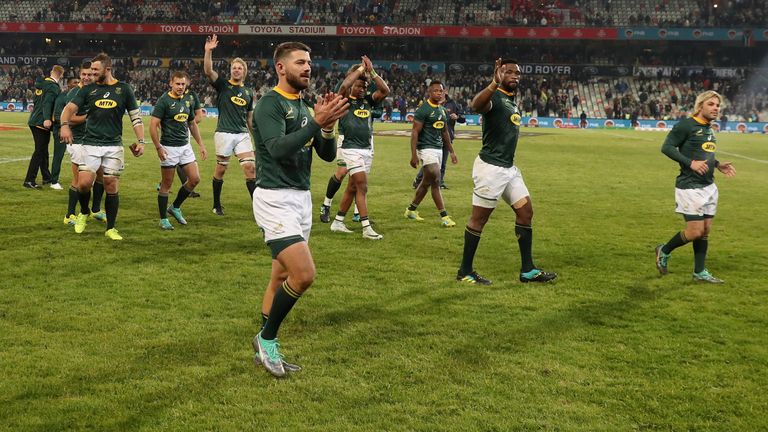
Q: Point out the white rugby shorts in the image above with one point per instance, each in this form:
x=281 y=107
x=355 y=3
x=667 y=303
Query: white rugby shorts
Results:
x=228 y=144
x=429 y=156
x=283 y=213
x=493 y=182
x=111 y=158
x=697 y=202
x=178 y=156
x=356 y=160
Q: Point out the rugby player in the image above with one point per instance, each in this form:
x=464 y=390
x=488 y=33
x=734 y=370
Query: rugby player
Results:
x=286 y=131
x=692 y=144
x=495 y=175
x=235 y=104
x=105 y=100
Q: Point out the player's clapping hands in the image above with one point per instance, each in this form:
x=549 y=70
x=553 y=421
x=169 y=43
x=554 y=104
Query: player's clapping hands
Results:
x=330 y=108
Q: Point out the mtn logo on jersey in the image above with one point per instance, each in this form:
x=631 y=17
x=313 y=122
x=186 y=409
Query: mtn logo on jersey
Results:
x=181 y=117
x=438 y=124
x=238 y=101
x=709 y=147
x=362 y=113
x=105 y=103
x=515 y=119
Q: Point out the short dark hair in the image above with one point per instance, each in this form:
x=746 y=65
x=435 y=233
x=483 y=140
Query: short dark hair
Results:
x=286 y=48
x=434 y=82
x=179 y=74
x=69 y=81
x=508 y=61
x=85 y=65
x=104 y=59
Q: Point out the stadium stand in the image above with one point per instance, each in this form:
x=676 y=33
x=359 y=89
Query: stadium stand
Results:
x=662 y=13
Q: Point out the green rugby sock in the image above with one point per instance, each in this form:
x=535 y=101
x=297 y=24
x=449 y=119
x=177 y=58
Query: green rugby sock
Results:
x=111 y=203
x=333 y=186
x=162 y=204
x=98 y=193
x=700 y=253
x=217 y=185
x=524 y=235
x=471 y=242
x=181 y=196
x=73 y=197
x=675 y=242
x=284 y=300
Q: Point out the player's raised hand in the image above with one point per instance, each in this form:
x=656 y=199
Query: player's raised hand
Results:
x=330 y=108
x=727 y=169
x=367 y=64
x=497 y=74
x=211 y=42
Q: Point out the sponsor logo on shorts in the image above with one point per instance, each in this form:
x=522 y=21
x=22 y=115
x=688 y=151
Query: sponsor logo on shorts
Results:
x=515 y=119
x=709 y=147
x=238 y=101
x=438 y=124
x=362 y=113
x=105 y=103
x=181 y=117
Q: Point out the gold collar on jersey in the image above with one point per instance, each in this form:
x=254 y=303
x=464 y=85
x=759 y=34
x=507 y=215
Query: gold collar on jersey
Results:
x=285 y=94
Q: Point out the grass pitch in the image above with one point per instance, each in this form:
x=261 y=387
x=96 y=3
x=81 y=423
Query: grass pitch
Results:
x=153 y=333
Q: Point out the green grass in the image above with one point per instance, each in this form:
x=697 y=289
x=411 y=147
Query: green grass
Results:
x=153 y=333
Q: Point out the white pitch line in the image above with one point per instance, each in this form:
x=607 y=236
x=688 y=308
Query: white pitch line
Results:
x=743 y=157
x=2 y=161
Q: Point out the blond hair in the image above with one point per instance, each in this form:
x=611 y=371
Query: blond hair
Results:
x=703 y=97
x=242 y=62
x=59 y=70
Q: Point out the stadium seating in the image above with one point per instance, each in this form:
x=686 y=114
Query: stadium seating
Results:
x=663 y=13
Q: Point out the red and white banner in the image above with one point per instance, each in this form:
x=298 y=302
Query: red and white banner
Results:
x=472 y=32
x=477 y=32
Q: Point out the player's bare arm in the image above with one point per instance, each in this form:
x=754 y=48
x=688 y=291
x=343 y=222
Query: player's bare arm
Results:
x=481 y=103
x=415 y=131
x=211 y=43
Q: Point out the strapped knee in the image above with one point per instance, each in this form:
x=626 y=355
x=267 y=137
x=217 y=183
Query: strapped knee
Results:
x=247 y=160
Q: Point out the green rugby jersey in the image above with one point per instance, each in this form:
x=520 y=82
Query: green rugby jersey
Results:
x=78 y=131
x=174 y=114
x=691 y=139
x=234 y=101
x=46 y=91
x=357 y=125
x=434 y=118
x=105 y=104
x=285 y=132
x=196 y=105
x=58 y=106
x=501 y=129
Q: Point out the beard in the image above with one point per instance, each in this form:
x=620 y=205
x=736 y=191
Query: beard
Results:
x=296 y=81
x=101 y=79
